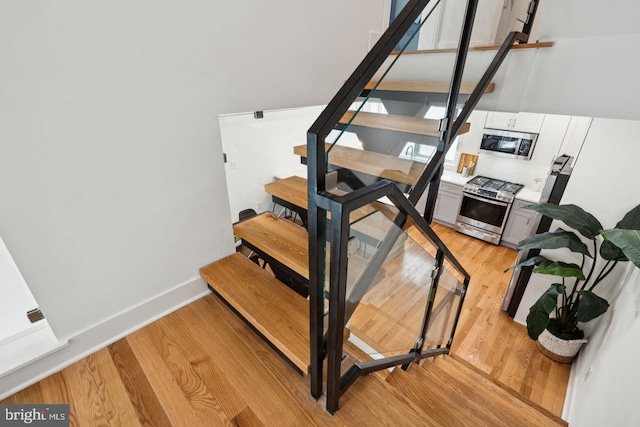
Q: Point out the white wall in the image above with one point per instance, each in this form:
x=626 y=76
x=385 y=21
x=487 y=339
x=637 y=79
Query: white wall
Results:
x=259 y=149
x=591 y=70
x=603 y=183
x=111 y=173
x=605 y=380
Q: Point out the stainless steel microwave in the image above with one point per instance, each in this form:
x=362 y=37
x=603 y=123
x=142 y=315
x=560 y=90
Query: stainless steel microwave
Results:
x=517 y=145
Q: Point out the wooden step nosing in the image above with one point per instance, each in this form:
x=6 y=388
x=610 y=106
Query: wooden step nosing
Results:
x=296 y=323
x=392 y=122
x=337 y=158
x=422 y=86
x=276 y=253
x=299 y=369
x=507 y=389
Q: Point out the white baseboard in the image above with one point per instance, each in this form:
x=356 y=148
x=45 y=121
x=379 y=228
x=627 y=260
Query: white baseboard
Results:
x=102 y=334
x=24 y=348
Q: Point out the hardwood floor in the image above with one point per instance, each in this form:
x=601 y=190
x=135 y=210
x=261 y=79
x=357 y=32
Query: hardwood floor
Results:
x=489 y=339
x=202 y=365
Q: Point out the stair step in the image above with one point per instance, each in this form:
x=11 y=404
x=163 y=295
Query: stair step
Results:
x=434 y=399
x=293 y=190
x=484 y=394
x=424 y=87
x=282 y=240
x=508 y=398
x=370 y=400
x=279 y=314
x=389 y=167
x=398 y=123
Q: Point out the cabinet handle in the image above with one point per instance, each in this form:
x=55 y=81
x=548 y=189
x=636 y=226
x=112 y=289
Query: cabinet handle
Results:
x=514 y=123
x=528 y=220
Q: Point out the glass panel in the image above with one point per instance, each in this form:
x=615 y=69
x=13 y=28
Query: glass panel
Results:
x=392 y=132
x=386 y=304
x=445 y=305
x=385 y=312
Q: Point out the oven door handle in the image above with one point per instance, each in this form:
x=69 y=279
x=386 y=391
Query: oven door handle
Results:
x=482 y=199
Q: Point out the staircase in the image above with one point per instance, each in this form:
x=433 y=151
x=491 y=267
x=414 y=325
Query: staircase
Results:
x=350 y=291
x=444 y=391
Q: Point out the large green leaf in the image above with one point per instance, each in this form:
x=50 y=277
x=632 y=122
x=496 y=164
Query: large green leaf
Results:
x=611 y=252
x=538 y=317
x=572 y=215
x=628 y=241
x=554 y=240
x=631 y=220
x=559 y=268
x=536 y=260
x=591 y=306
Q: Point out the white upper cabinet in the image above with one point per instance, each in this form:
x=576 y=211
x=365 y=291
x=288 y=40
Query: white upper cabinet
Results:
x=521 y=122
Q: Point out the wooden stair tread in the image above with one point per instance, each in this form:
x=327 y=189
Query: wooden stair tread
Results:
x=376 y=164
x=395 y=122
x=484 y=394
x=434 y=399
x=277 y=312
x=370 y=400
x=281 y=239
x=293 y=190
x=510 y=398
x=424 y=87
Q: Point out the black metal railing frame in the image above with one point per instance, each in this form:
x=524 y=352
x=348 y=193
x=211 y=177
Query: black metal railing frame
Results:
x=340 y=208
x=320 y=202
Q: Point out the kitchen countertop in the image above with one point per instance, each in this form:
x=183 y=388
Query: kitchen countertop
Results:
x=525 y=194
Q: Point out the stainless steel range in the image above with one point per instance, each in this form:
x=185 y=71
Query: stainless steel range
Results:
x=486 y=203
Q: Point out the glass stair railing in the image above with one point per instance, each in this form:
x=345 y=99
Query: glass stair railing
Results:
x=384 y=138
x=385 y=316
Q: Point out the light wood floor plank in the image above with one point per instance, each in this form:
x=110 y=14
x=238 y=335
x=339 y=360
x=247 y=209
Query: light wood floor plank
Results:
x=204 y=363
x=149 y=410
x=171 y=396
x=111 y=390
x=55 y=390
x=86 y=397
x=195 y=390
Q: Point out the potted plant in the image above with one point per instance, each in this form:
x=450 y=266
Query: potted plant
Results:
x=553 y=318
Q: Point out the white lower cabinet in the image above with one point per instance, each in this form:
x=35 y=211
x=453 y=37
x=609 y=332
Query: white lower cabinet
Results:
x=448 y=203
x=518 y=225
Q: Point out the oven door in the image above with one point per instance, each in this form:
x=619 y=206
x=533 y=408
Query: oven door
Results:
x=484 y=214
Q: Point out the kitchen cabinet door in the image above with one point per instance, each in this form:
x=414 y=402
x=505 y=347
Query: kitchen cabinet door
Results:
x=527 y=122
x=448 y=203
x=521 y=122
x=518 y=225
x=497 y=120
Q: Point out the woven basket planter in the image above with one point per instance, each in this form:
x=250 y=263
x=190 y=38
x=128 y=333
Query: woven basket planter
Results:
x=563 y=351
